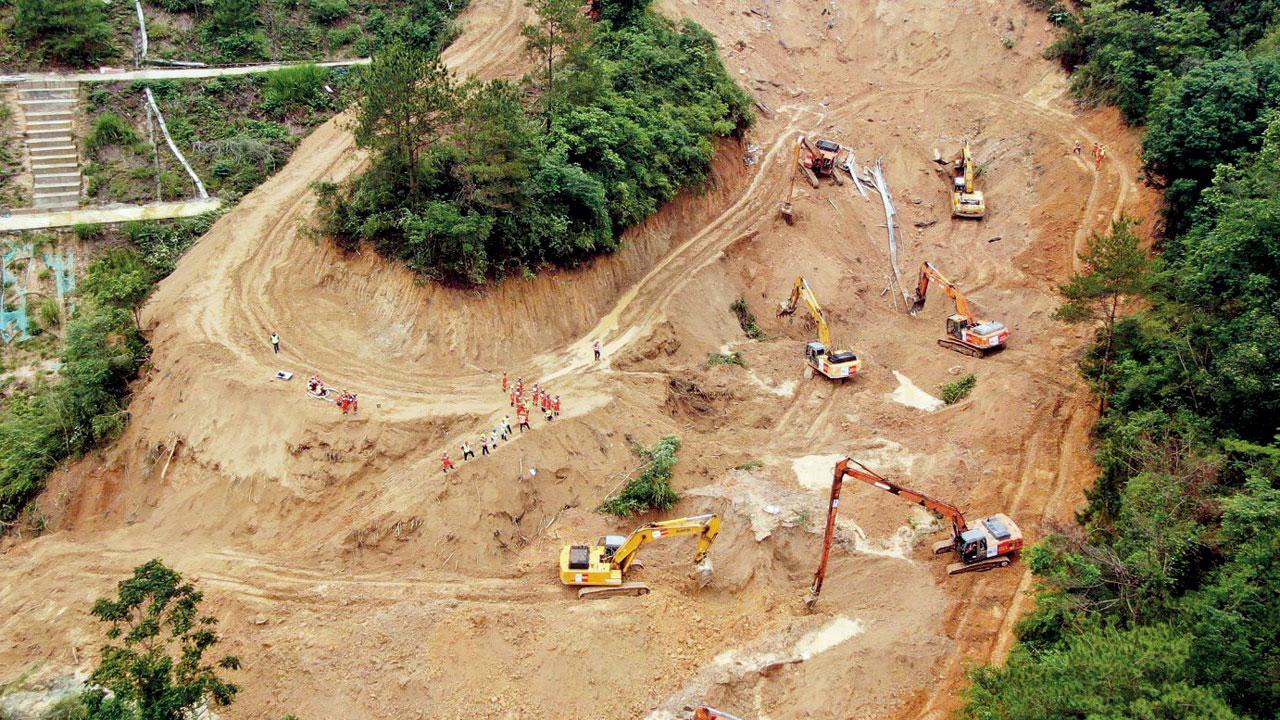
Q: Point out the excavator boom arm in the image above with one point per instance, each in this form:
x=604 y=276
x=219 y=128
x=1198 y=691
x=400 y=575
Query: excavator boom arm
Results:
x=852 y=468
x=927 y=272
x=802 y=291
x=707 y=526
x=967 y=157
x=847 y=468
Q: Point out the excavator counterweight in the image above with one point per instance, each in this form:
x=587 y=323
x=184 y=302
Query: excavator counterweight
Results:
x=600 y=569
x=990 y=543
x=819 y=357
x=975 y=338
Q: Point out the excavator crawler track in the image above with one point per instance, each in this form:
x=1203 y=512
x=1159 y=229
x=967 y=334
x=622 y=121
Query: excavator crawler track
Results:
x=980 y=566
x=808 y=175
x=960 y=347
x=633 y=589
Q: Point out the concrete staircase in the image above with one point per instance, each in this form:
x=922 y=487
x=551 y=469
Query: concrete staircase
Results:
x=48 y=108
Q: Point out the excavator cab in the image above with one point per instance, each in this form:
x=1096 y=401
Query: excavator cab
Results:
x=837 y=365
x=984 y=337
x=611 y=543
x=972 y=546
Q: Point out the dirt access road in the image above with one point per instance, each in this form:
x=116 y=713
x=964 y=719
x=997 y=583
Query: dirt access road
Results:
x=355 y=580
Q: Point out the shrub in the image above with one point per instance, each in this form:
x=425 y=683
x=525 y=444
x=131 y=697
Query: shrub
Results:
x=86 y=232
x=651 y=490
x=109 y=129
x=327 y=12
x=954 y=392
x=341 y=37
x=68 y=708
x=294 y=88
x=71 y=31
x=49 y=314
x=746 y=319
x=714 y=359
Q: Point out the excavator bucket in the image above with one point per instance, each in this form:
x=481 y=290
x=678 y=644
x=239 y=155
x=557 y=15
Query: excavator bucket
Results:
x=703 y=572
x=917 y=304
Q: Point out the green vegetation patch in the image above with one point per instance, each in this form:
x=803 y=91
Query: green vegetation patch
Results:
x=734 y=358
x=215 y=31
x=470 y=182
x=63 y=32
x=102 y=352
x=746 y=319
x=651 y=489
x=11 y=195
x=954 y=392
x=236 y=131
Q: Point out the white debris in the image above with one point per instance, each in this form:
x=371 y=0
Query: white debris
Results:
x=911 y=396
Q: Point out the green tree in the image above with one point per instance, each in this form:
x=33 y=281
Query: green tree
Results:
x=1213 y=114
x=158 y=670
x=1101 y=674
x=234 y=16
x=621 y=12
x=562 y=29
x=1116 y=267
x=407 y=100
x=499 y=147
x=71 y=31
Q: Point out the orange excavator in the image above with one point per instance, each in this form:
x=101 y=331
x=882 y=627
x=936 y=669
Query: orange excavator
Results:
x=964 y=334
x=820 y=159
x=988 y=543
x=706 y=712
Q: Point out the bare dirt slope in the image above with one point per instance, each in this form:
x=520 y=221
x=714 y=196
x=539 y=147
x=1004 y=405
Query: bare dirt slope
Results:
x=355 y=580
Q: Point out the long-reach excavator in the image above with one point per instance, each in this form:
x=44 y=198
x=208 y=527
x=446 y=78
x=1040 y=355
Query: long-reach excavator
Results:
x=966 y=200
x=601 y=567
x=818 y=355
x=820 y=160
x=989 y=543
x=964 y=334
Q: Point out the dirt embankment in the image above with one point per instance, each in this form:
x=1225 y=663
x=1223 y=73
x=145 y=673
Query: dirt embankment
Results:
x=357 y=580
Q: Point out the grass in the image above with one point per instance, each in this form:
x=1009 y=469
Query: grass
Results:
x=749 y=465
x=954 y=392
x=110 y=129
x=11 y=195
x=235 y=131
x=715 y=359
x=746 y=319
x=293 y=30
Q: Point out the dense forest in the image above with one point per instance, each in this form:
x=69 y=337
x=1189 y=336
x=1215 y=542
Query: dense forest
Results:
x=1162 y=604
x=472 y=181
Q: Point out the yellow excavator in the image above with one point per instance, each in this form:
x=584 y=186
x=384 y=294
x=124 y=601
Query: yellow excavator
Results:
x=966 y=200
x=964 y=334
x=600 y=569
x=818 y=355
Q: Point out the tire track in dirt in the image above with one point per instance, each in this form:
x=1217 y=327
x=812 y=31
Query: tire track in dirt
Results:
x=977 y=640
